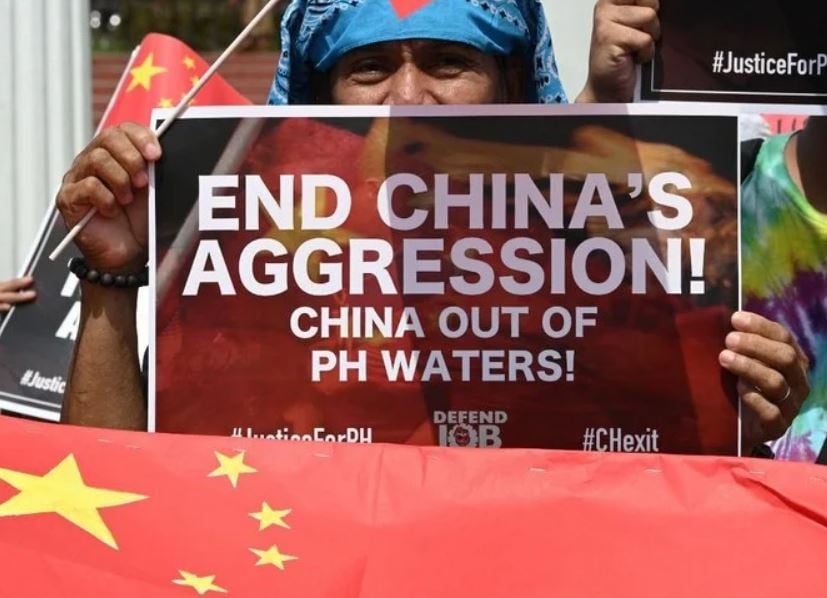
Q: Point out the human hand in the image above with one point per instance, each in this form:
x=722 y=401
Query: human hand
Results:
x=16 y=291
x=772 y=376
x=110 y=174
x=624 y=35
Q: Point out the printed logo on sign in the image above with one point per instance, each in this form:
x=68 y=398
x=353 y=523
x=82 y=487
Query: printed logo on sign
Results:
x=470 y=428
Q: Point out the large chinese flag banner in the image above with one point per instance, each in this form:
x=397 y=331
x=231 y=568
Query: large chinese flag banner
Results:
x=86 y=512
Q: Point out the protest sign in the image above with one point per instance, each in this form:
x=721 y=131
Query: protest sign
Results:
x=746 y=51
x=37 y=339
x=520 y=276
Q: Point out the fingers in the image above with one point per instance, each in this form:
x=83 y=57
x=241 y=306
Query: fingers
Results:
x=119 y=158
x=781 y=357
x=14 y=292
x=764 y=382
x=771 y=382
x=143 y=139
x=108 y=172
x=620 y=40
x=638 y=17
x=120 y=148
x=756 y=324
x=10 y=299
x=631 y=26
x=132 y=145
x=653 y=4
x=75 y=199
x=744 y=321
x=770 y=418
x=16 y=284
x=101 y=165
x=771 y=367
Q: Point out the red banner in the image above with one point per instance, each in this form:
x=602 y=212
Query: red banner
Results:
x=87 y=512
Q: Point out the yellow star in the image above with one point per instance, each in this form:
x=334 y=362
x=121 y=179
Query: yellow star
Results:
x=189 y=63
x=62 y=491
x=143 y=74
x=202 y=585
x=268 y=517
x=232 y=467
x=165 y=103
x=194 y=80
x=272 y=556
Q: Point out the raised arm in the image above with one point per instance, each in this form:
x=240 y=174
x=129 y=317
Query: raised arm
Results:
x=624 y=35
x=110 y=174
x=105 y=387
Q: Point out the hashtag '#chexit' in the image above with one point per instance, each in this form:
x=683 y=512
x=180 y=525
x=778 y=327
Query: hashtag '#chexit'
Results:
x=588 y=439
x=718 y=61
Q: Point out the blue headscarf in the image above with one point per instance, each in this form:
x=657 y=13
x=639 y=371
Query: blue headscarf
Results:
x=315 y=34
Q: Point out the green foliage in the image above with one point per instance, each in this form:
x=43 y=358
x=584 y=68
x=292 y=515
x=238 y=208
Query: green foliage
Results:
x=206 y=25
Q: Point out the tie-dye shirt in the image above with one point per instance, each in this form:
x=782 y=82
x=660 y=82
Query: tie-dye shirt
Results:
x=784 y=257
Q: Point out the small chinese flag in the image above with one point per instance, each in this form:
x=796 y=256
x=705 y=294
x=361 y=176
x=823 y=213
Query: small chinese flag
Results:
x=161 y=72
x=86 y=512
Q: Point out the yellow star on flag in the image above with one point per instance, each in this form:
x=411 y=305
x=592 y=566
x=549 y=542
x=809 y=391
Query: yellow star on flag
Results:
x=62 y=491
x=189 y=63
x=202 y=585
x=232 y=467
x=272 y=556
x=268 y=517
x=194 y=80
x=165 y=103
x=142 y=75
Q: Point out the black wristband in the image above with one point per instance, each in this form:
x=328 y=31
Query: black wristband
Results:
x=78 y=267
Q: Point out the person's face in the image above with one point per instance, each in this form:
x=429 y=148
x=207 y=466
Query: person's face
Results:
x=419 y=72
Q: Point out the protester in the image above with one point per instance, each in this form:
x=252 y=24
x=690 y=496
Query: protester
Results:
x=784 y=234
x=14 y=292
x=361 y=52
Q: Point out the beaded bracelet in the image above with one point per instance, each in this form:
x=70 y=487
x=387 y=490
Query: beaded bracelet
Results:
x=79 y=268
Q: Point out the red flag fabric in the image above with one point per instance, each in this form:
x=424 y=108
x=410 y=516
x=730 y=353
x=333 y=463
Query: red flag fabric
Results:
x=161 y=72
x=87 y=512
